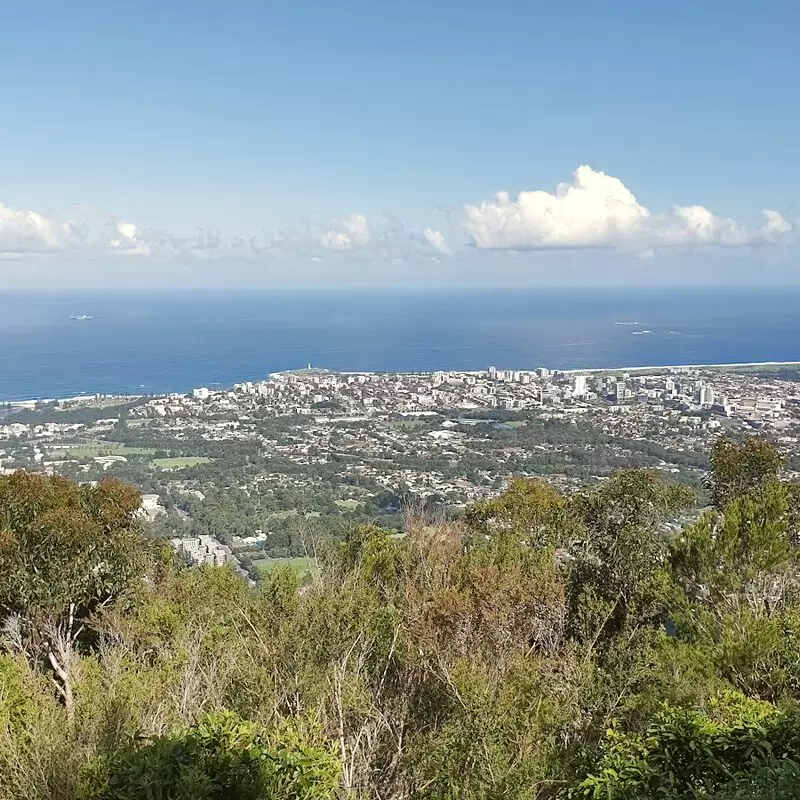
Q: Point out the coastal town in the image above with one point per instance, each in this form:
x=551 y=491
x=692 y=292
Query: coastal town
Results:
x=250 y=469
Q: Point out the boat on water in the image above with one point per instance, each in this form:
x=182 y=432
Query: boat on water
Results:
x=81 y=316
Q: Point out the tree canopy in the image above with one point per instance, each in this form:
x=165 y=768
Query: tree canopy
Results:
x=65 y=551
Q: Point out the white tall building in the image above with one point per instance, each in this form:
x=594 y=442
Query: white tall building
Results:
x=579 y=385
x=707 y=396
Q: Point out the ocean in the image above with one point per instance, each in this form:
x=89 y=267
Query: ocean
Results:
x=147 y=343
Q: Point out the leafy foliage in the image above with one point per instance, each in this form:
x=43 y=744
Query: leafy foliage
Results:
x=687 y=754
x=65 y=552
x=221 y=757
x=63 y=544
x=738 y=467
x=548 y=646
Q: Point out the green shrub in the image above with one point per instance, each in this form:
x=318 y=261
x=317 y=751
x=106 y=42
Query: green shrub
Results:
x=222 y=757
x=684 y=753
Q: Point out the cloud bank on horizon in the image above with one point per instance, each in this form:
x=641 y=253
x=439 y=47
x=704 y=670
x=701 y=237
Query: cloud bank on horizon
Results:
x=594 y=210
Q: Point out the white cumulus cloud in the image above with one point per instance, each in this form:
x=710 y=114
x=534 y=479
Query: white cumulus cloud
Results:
x=90 y=234
x=597 y=210
x=87 y=233
x=355 y=236
x=28 y=232
x=349 y=233
x=775 y=225
x=436 y=240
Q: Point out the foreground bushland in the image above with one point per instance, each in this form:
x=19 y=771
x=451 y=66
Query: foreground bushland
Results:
x=545 y=646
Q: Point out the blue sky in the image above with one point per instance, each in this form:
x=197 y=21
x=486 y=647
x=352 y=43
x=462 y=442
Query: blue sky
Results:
x=320 y=142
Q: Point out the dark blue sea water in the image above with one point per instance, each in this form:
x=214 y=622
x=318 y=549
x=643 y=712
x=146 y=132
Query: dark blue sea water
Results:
x=173 y=341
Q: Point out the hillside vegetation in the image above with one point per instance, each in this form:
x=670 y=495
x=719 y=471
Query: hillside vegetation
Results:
x=547 y=646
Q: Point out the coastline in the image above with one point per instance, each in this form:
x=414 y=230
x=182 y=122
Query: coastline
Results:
x=29 y=403
x=729 y=365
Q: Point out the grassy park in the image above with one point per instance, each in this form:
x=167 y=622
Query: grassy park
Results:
x=303 y=565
